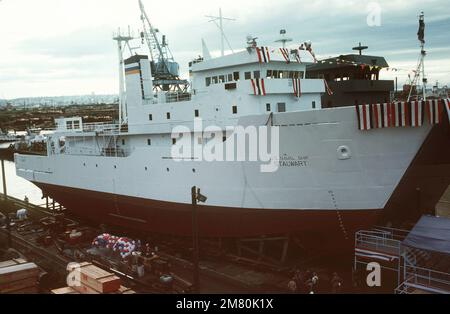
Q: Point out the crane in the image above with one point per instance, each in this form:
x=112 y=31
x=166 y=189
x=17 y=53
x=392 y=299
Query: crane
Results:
x=165 y=70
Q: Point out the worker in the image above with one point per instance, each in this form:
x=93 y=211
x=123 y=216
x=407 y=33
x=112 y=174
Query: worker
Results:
x=292 y=286
x=336 y=283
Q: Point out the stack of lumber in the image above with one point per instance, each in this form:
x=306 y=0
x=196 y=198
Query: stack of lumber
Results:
x=94 y=280
x=17 y=276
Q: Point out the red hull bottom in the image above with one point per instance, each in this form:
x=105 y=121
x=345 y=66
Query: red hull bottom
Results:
x=175 y=218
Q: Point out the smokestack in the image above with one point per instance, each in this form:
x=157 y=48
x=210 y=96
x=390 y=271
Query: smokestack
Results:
x=138 y=77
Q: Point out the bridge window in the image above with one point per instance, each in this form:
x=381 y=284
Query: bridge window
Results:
x=208 y=81
x=256 y=74
x=236 y=76
x=221 y=78
x=281 y=107
x=248 y=75
x=230 y=77
x=214 y=80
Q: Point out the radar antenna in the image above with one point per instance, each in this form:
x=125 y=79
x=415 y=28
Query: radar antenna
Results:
x=223 y=37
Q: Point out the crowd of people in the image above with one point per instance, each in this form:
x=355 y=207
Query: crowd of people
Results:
x=309 y=282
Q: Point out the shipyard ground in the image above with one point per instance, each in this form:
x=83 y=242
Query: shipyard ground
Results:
x=220 y=270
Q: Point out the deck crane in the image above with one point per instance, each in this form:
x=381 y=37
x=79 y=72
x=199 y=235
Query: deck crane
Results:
x=165 y=70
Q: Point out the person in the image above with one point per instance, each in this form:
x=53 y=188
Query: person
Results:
x=336 y=283
x=313 y=283
x=292 y=286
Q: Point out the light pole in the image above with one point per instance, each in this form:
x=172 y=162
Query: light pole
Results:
x=196 y=197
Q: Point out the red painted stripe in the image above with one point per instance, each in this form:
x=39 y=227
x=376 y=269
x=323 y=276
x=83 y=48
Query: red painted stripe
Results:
x=364 y=117
x=268 y=53
x=375 y=112
x=259 y=55
x=440 y=111
x=253 y=85
x=406 y=113
x=295 y=87
x=393 y=117
x=416 y=113
x=263 y=87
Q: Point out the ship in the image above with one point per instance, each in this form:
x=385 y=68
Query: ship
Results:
x=336 y=169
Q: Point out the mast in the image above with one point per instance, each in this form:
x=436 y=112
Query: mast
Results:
x=223 y=37
x=420 y=70
x=120 y=47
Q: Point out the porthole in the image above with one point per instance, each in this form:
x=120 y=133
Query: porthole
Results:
x=344 y=152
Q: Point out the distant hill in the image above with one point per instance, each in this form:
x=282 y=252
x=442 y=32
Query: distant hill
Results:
x=64 y=100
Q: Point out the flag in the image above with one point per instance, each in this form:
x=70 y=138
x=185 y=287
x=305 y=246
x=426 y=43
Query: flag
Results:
x=263 y=54
x=421 y=31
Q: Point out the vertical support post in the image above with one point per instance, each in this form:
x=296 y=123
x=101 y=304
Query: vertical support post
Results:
x=221 y=32
x=195 y=240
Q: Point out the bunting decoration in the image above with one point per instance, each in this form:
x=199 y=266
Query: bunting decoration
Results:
x=258 y=86
x=434 y=110
x=297 y=87
x=401 y=114
x=263 y=54
x=297 y=56
x=364 y=117
x=327 y=88
x=285 y=54
x=447 y=106
x=417 y=113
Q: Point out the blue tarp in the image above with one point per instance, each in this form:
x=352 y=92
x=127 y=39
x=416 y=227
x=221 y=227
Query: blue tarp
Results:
x=431 y=234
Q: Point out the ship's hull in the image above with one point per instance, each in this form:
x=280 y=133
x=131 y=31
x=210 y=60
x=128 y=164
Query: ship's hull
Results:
x=176 y=219
x=327 y=196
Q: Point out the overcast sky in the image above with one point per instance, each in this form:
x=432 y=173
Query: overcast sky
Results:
x=62 y=47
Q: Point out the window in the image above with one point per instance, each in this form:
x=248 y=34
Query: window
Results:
x=69 y=125
x=314 y=105
x=269 y=73
x=123 y=142
x=275 y=74
x=76 y=125
x=208 y=81
x=234 y=109
x=214 y=79
x=256 y=74
x=230 y=77
x=291 y=74
x=168 y=115
x=236 y=76
x=149 y=142
x=197 y=113
x=281 y=107
x=150 y=117
x=174 y=141
x=248 y=75
x=221 y=78
x=268 y=107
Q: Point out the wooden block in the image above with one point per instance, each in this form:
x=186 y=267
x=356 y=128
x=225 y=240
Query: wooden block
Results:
x=98 y=279
x=125 y=290
x=85 y=289
x=12 y=262
x=18 y=272
x=18 y=285
x=65 y=290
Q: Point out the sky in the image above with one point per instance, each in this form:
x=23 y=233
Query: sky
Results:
x=65 y=47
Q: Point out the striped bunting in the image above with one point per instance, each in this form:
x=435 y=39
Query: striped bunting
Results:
x=258 y=86
x=447 y=106
x=400 y=114
x=285 y=54
x=297 y=87
x=263 y=54
x=434 y=111
x=417 y=113
x=364 y=114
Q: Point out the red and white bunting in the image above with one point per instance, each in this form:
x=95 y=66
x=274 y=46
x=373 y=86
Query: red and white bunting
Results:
x=400 y=114
x=386 y=113
x=364 y=114
x=327 y=88
x=285 y=54
x=259 y=88
x=447 y=106
x=417 y=113
x=296 y=83
x=434 y=111
x=377 y=115
x=263 y=54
